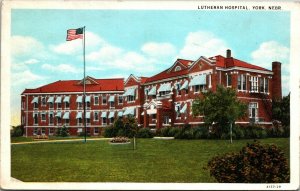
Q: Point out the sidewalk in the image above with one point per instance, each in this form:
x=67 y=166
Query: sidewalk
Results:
x=63 y=140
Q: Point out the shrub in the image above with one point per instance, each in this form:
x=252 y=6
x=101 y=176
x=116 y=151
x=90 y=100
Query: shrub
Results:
x=165 y=131
x=144 y=133
x=173 y=131
x=110 y=132
x=62 y=132
x=119 y=140
x=255 y=163
x=17 y=131
x=239 y=132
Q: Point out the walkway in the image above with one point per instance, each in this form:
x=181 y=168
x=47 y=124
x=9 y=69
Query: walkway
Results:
x=63 y=140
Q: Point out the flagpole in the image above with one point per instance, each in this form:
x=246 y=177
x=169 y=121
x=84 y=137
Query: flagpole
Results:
x=84 y=104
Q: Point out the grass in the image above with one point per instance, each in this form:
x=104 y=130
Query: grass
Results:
x=29 y=139
x=99 y=161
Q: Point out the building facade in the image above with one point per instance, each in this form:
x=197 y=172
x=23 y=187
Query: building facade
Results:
x=164 y=99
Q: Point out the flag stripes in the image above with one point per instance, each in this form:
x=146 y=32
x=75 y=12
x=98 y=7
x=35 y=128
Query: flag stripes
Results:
x=73 y=34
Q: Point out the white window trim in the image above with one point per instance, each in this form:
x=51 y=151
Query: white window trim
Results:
x=242 y=82
x=43 y=105
x=95 y=131
x=256 y=111
x=105 y=99
x=227 y=80
x=94 y=119
x=95 y=100
x=177 y=68
x=42 y=116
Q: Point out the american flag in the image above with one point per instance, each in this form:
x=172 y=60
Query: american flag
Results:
x=73 y=34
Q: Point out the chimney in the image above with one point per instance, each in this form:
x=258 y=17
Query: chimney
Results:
x=228 y=53
x=276 y=85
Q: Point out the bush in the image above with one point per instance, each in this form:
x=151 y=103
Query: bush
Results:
x=62 y=132
x=255 y=163
x=239 y=132
x=164 y=132
x=17 y=131
x=173 y=131
x=144 y=133
x=110 y=131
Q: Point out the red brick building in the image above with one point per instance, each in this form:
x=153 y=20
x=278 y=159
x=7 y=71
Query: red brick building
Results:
x=164 y=99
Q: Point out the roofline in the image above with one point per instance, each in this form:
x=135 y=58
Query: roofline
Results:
x=137 y=79
x=63 y=93
x=166 y=79
x=169 y=70
x=245 y=69
x=201 y=58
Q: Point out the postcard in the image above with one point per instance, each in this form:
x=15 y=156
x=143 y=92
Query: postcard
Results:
x=150 y=95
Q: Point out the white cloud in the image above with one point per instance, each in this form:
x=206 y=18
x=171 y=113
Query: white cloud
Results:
x=75 y=46
x=25 y=77
x=63 y=68
x=31 y=61
x=25 y=46
x=155 y=49
x=105 y=54
x=19 y=66
x=271 y=51
x=202 y=43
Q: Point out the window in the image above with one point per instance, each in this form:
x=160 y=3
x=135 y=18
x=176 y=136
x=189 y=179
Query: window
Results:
x=242 y=82
x=79 y=121
x=197 y=88
x=96 y=130
x=51 y=105
x=254 y=84
x=228 y=79
x=51 y=119
x=35 y=131
x=146 y=93
x=35 y=119
x=104 y=120
x=96 y=116
x=253 y=110
x=58 y=121
x=178 y=89
x=130 y=98
x=79 y=105
x=43 y=130
x=177 y=68
x=43 y=116
x=51 y=131
x=88 y=104
x=67 y=121
x=43 y=101
x=35 y=105
x=166 y=119
x=177 y=110
x=104 y=100
x=88 y=121
x=58 y=105
x=112 y=120
x=96 y=100
x=67 y=105
x=120 y=99
x=264 y=85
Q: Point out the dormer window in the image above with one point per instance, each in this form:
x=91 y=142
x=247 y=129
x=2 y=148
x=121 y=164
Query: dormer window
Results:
x=178 y=68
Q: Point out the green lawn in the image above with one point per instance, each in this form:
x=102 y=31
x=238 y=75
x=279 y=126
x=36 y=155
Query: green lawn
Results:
x=99 y=161
x=30 y=139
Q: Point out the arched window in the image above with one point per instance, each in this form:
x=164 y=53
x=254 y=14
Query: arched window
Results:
x=178 y=68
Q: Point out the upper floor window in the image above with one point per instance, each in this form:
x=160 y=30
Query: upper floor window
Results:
x=228 y=80
x=43 y=116
x=96 y=100
x=120 y=99
x=96 y=116
x=104 y=100
x=178 y=91
x=88 y=101
x=130 y=93
x=51 y=102
x=199 y=83
x=253 y=84
x=35 y=102
x=264 y=85
x=79 y=102
x=43 y=101
x=35 y=118
x=177 y=68
x=67 y=102
x=242 y=82
x=164 y=89
x=130 y=98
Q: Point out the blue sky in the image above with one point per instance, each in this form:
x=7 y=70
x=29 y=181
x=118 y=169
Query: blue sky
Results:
x=119 y=43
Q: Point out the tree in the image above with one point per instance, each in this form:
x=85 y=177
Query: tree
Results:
x=131 y=127
x=63 y=132
x=17 y=131
x=220 y=109
x=281 y=110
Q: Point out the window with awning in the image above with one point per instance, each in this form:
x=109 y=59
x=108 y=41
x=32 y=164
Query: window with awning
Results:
x=184 y=108
x=185 y=85
x=66 y=115
x=79 y=99
x=35 y=100
x=129 y=92
x=79 y=115
x=165 y=87
x=111 y=114
x=152 y=92
x=51 y=99
x=103 y=114
x=67 y=99
x=129 y=111
x=88 y=114
x=88 y=98
x=198 y=80
x=58 y=99
x=58 y=114
x=111 y=99
x=120 y=113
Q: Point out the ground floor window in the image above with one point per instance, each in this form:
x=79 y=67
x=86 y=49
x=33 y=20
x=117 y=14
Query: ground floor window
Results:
x=253 y=110
x=104 y=121
x=96 y=130
x=51 y=131
x=166 y=119
x=35 y=131
x=43 y=131
x=67 y=121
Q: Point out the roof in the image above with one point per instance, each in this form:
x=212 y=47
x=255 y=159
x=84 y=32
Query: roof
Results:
x=233 y=62
x=143 y=79
x=115 y=84
x=185 y=62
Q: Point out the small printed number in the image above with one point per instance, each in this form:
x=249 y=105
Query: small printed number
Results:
x=274 y=186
